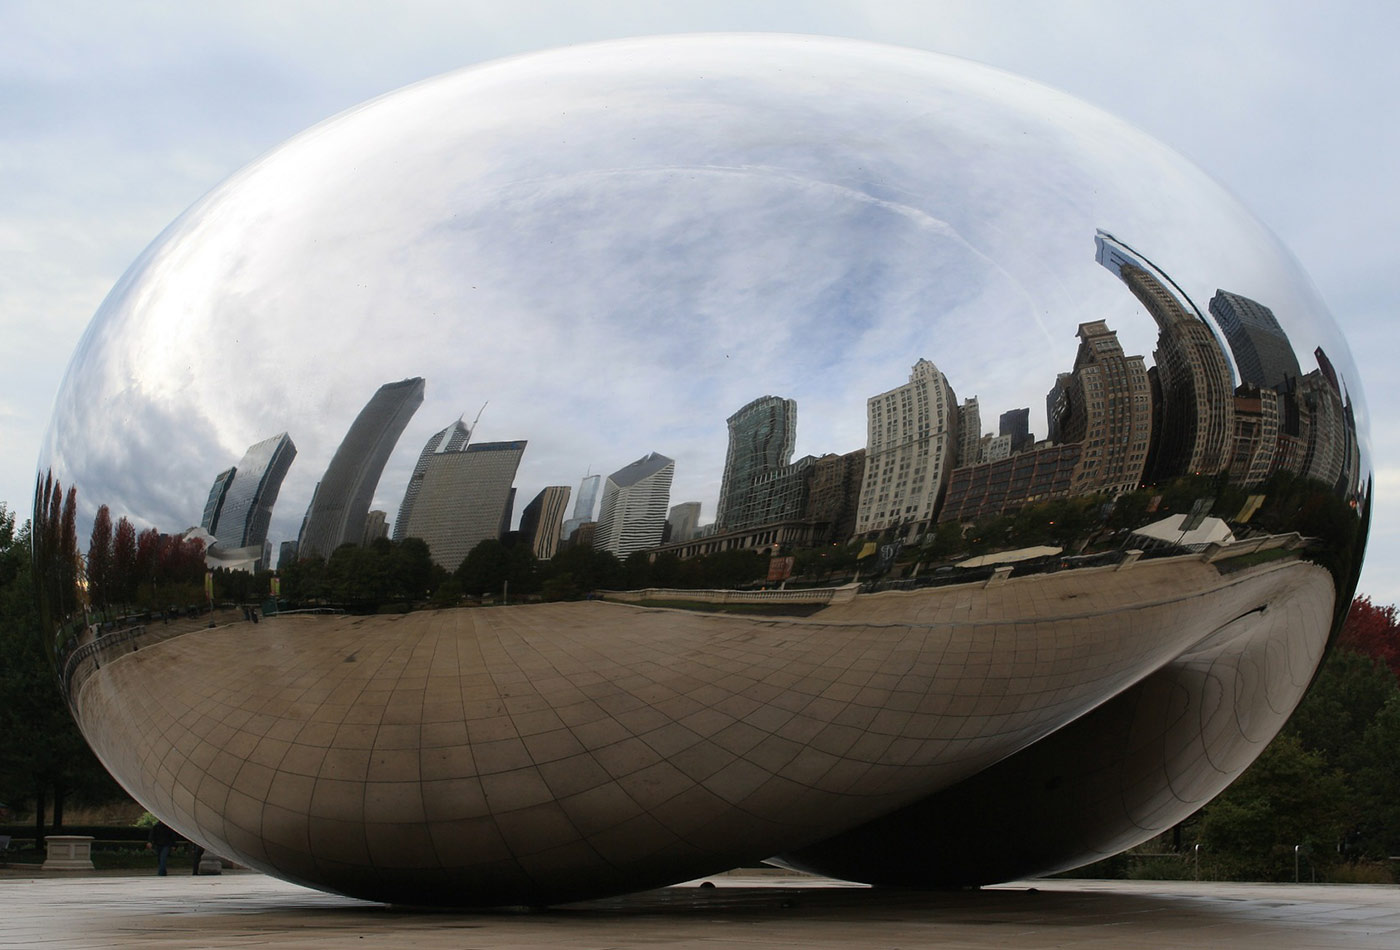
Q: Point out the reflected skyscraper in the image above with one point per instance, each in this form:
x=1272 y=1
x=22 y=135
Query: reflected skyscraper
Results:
x=684 y=520
x=970 y=429
x=761 y=439
x=912 y=437
x=635 y=498
x=376 y=526
x=542 y=519
x=253 y=490
x=1263 y=355
x=1197 y=396
x=465 y=499
x=337 y=512
x=1107 y=407
x=584 y=505
x=833 y=493
x=1016 y=423
x=1256 y=434
x=214 y=505
x=451 y=439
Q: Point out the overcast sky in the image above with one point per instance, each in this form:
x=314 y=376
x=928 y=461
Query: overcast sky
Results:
x=116 y=117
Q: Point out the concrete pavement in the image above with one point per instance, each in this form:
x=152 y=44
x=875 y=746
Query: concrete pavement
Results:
x=770 y=911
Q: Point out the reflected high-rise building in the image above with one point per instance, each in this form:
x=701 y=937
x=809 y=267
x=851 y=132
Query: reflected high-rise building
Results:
x=337 y=512
x=376 y=526
x=250 y=496
x=684 y=520
x=585 y=505
x=912 y=435
x=833 y=493
x=635 y=500
x=1196 y=432
x=542 y=519
x=214 y=505
x=286 y=554
x=1325 y=435
x=451 y=439
x=1263 y=354
x=970 y=427
x=1057 y=406
x=1016 y=423
x=465 y=499
x=1107 y=406
x=761 y=439
x=1257 y=420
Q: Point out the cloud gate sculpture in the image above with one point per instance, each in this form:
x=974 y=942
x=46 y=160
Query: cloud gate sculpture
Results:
x=908 y=645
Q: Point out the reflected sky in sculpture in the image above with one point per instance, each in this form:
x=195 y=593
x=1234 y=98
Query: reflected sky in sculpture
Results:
x=619 y=245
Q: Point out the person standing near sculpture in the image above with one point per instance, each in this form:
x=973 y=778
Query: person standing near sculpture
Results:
x=161 y=840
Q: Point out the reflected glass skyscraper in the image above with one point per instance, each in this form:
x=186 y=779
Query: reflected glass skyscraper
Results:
x=247 y=508
x=1262 y=352
x=685 y=520
x=337 y=512
x=214 y=504
x=762 y=436
x=584 y=505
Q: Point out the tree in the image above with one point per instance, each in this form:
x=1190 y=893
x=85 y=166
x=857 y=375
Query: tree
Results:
x=484 y=570
x=1288 y=798
x=578 y=569
x=124 y=562
x=1349 y=692
x=1373 y=631
x=43 y=759
x=99 y=560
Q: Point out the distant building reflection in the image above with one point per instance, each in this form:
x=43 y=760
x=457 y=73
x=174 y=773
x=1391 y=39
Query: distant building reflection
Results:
x=342 y=498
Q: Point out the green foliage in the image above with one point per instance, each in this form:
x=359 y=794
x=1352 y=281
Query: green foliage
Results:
x=492 y=567
x=361 y=578
x=1349 y=692
x=1289 y=797
x=43 y=759
x=576 y=570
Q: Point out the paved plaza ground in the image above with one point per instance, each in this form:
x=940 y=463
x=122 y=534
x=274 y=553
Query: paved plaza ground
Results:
x=771 y=911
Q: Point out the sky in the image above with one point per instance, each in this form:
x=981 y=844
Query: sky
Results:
x=118 y=117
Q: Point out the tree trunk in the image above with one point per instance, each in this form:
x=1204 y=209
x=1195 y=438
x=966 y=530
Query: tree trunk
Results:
x=58 y=795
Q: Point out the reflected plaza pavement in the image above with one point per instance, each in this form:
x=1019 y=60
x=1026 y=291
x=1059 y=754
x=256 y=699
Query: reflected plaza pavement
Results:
x=744 y=909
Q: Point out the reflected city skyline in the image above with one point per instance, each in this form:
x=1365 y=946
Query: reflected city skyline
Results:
x=1115 y=424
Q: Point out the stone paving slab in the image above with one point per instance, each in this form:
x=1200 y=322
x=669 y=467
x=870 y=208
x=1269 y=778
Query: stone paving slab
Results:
x=767 y=911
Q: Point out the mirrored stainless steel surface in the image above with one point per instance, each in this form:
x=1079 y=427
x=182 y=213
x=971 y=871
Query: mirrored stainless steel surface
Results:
x=877 y=462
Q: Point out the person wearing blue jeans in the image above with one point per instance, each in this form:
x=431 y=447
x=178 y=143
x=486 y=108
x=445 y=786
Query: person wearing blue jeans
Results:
x=161 y=840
